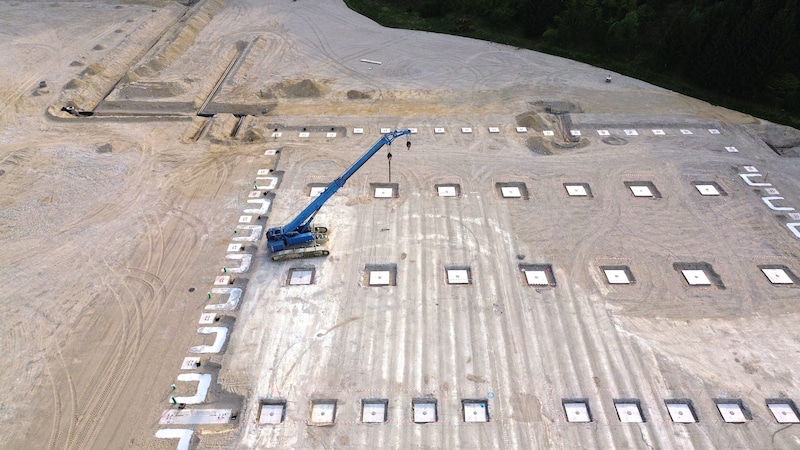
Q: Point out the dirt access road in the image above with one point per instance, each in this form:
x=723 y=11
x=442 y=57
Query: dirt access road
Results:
x=113 y=228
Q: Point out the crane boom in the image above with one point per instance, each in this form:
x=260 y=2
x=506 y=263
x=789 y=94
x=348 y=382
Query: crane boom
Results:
x=299 y=232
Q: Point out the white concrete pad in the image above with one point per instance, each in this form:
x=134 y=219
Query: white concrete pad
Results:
x=576 y=190
x=323 y=413
x=777 y=276
x=536 y=278
x=234 y=296
x=732 y=149
x=358 y=131
x=713 y=131
x=207 y=318
x=750 y=169
x=204 y=381
x=447 y=191
x=316 y=190
x=466 y=130
x=373 y=413
x=772 y=191
x=255 y=194
x=476 y=412
x=783 y=413
x=271 y=414
x=548 y=133
x=438 y=130
x=659 y=132
x=616 y=276
x=494 y=129
x=413 y=130
x=681 y=413
x=222 y=280
x=706 y=189
x=379 y=277
x=629 y=412
x=235 y=247
x=184 y=436
x=386 y=130
x=794 y=216
x=510 y=192
x=195 y=417
x=330 y=134
x=270 y=152
x=575 y=132
x=384 y=192
x=304 y=134
x=245 y=219
x=264 y=203
x=631 y=133
x=277 y=134
x=266 y=183
x=457 y=276
x=731 y=412
x=301 y=277
x=522 y=129
x=577 y=412
x=641 y=191
x=262 y=172
x=190 y=363
x=696 y=277
x=244 y=262
x=687 y=132
x=219 y=340
x=424 y=412
x=603 y=133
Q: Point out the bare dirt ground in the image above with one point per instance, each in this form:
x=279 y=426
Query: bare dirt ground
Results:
x=114 y=226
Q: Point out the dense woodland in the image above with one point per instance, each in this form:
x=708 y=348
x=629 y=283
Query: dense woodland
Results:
x=742 y=53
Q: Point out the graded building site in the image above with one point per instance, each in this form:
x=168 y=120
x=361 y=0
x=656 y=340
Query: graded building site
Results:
x=557 y=261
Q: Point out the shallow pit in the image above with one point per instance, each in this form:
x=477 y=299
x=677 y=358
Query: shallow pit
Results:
x=629 y=410
x=271 y=412
x=322 y=412
x=784 y=410
x=732 y=410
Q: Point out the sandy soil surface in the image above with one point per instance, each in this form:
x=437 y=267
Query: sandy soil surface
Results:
x=114 y=226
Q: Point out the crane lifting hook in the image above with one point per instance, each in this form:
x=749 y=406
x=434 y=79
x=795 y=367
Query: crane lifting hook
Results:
x=408 y=145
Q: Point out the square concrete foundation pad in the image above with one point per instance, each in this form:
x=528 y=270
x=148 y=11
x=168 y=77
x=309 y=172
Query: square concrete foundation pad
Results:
x=457 y=276
x=731 y=412
x=615 y=276
x=777 y=276
x=510 y=192
x=783 y=413
x=475 y=412
x=536 y=278
x=447 y=191
x=681 y=413
x=696 y=277
x=323 y=413
x=641 y=191
x=424 y=412
x=628 y=412
x=384 y=193
x=271 y=414
x=577 y=412
x=373 y=413
x=706 y=189
x=379 y=278
x=301 y=277
x=576 y=190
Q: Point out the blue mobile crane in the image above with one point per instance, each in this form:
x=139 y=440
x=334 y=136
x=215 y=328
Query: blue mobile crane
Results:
x=298 y=238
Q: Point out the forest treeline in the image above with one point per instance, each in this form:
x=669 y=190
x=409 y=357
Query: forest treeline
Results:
x=740 y=49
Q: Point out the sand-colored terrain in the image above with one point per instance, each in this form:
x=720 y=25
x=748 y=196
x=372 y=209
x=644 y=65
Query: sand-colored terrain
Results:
x=134 y=175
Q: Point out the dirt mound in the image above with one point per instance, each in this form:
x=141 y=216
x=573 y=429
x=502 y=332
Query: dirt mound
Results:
x=783 y=140
x=358 y=95
x=613 y=140
x=100 y=47
x=77 y=63
x=530 y=119
x=153 y=89
x=296 y=89
x=556 y=107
